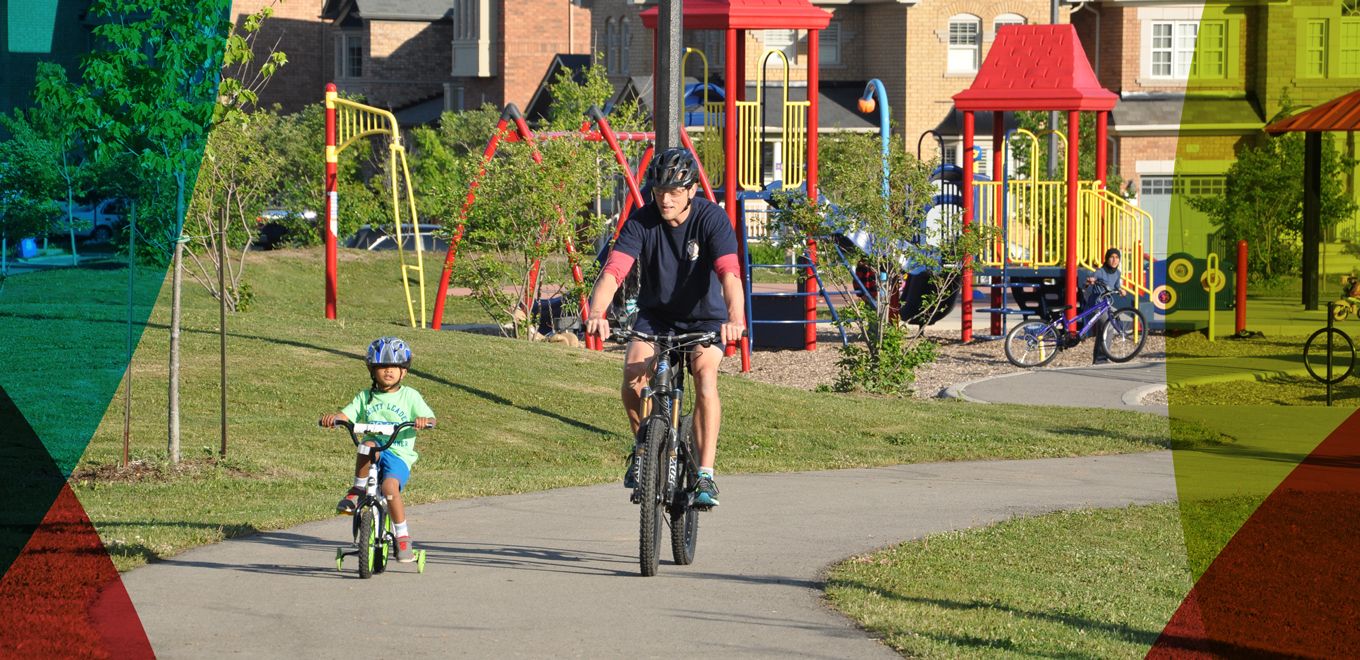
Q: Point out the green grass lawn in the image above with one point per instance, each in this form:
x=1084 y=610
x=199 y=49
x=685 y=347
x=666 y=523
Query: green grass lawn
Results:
x=1091 y=584
x=515 y=416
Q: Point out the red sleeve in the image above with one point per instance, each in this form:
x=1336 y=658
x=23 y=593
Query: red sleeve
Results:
x=618 y=265
x=726 y=264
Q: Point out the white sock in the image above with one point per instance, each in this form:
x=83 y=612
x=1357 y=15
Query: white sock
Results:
x=706 y=470
x=400 y=529
x=360 y=482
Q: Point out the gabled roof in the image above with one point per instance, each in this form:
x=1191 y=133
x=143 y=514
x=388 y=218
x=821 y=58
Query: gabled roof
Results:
x=401 y=10
x=748 y=15
x=537 y=110
x=1339 y=114
x=1035 y=67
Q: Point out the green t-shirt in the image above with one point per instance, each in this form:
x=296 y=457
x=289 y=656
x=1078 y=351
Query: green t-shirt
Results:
x=403 y=405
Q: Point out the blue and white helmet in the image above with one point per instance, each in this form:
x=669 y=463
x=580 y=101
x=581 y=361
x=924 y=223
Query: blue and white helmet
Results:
x=389 y=350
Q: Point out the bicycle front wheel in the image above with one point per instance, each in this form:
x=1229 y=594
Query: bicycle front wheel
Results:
x=1032 y=344
x=652 y=484
x=367 y=535
x=684 y=519
x=1124 y=335
x=1339 y=361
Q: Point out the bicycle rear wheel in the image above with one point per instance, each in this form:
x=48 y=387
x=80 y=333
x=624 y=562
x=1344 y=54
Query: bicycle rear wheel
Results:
x=1124 y=335
x=1340 y=361
x=367 y=535
x=651 y=483
x=684 y=519
x=1032 y=344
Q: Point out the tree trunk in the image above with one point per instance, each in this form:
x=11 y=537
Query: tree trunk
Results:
x=132 y=270
x=70 y=225
x=176 y=285
x=222 y=326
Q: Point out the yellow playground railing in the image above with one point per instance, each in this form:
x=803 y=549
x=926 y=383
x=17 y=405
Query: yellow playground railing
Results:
x=1106 y=220
x=354 y=121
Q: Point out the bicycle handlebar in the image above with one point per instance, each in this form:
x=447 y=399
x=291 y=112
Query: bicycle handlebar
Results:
x=356 y=430
x=705 y=338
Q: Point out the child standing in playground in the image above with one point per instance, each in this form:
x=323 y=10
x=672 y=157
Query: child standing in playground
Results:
x=386 y=401
x=1107 y=276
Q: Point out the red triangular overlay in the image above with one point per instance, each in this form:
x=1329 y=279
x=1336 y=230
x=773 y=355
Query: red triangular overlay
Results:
x=62 y=596
x=1288 y=583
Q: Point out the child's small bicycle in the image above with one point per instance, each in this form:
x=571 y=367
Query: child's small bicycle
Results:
x=373 y=536
x=1035 y=343
x=1347 y=304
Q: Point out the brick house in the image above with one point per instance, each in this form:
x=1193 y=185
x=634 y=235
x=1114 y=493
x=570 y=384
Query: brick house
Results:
x=1198 y=81
x=426 y=56
x=924 y=51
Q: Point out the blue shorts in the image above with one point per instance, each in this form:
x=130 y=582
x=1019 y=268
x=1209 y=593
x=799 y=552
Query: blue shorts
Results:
x=651 y=323
x=390 y=466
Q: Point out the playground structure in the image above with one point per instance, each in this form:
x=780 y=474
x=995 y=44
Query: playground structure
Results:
x=347 y=122
x=512 y=127
x=1046 y=229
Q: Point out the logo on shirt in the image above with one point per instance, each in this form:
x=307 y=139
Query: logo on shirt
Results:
x=692 y=250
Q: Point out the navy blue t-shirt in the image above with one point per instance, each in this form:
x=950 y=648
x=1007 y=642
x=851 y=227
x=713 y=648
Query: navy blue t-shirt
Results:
x=675 y=264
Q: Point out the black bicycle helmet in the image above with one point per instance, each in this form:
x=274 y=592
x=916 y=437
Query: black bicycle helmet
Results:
x=673 y=168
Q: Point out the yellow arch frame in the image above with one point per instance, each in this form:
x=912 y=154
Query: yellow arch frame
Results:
x=354 y=121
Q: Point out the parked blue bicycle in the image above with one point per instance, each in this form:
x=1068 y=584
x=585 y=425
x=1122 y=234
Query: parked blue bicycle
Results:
x=1035 y=343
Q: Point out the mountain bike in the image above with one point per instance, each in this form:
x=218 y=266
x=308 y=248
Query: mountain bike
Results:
x=1035 y=343
x=374 y=539
x=667 y=462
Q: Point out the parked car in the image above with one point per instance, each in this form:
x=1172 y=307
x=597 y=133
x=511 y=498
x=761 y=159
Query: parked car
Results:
x=272 y=225
x=94 y=222
x=369 y=237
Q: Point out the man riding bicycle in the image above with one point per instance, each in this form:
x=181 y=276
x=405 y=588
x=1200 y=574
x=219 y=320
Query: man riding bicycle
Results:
x=685 y=252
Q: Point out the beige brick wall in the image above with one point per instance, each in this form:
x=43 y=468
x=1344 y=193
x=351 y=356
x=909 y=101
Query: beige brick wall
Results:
x=298 y=31
x=929 y=86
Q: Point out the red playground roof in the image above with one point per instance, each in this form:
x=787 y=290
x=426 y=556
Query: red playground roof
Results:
x=1339 y=114
x=748 y=15
x=1035 y=67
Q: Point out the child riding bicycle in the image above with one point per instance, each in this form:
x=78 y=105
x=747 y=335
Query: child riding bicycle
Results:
x=1104 y=279
x=386 y=401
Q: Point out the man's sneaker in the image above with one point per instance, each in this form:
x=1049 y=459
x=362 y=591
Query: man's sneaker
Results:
x=349 y=503
x=630 y=478
x=405 y=553
x=705 y=492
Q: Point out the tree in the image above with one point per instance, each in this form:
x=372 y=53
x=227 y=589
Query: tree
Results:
x=1262 y=202
x=884 y=358
x=151 y=91
x=1037 y=122
x=66 y=152
x=27 y=181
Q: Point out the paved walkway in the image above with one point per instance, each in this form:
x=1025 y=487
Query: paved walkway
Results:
x=1118 y=386
x=554 y=574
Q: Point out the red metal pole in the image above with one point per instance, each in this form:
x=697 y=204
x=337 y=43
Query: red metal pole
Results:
x=1241 y=325
x=332 y=202
x=966 y=287
x=730 y=66
x=1102 y=149
x=998 y=146
x=1070 y=285
x=487 y=155
x=813 y=82
x=613 y=143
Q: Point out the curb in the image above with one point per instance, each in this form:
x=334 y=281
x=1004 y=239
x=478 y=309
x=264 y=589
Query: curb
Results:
x=1214 y=379
x=1134 y=397
x=957 y=391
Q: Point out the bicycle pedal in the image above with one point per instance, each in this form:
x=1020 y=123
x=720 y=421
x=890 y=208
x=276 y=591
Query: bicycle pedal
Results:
x=635 y=497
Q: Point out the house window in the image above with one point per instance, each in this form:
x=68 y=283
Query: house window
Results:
x=830 y=45
x=611 y=46
x=349 y=55
x=1156 y=185
x=1173 y=48
x=625 y=47
x=784 y=40
x=1004 y=20
x=1213 y=50
x=964 y=30
x=1315 y=49
x=1350 y=46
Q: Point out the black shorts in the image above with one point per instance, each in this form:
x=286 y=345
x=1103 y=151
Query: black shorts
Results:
x=651 y=323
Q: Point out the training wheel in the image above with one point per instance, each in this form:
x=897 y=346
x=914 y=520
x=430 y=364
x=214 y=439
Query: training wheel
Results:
x=420 y=561
x=339 y=558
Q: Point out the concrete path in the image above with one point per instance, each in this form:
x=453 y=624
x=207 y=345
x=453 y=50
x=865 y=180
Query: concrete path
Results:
x=1105 y=386
x=554 y=574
